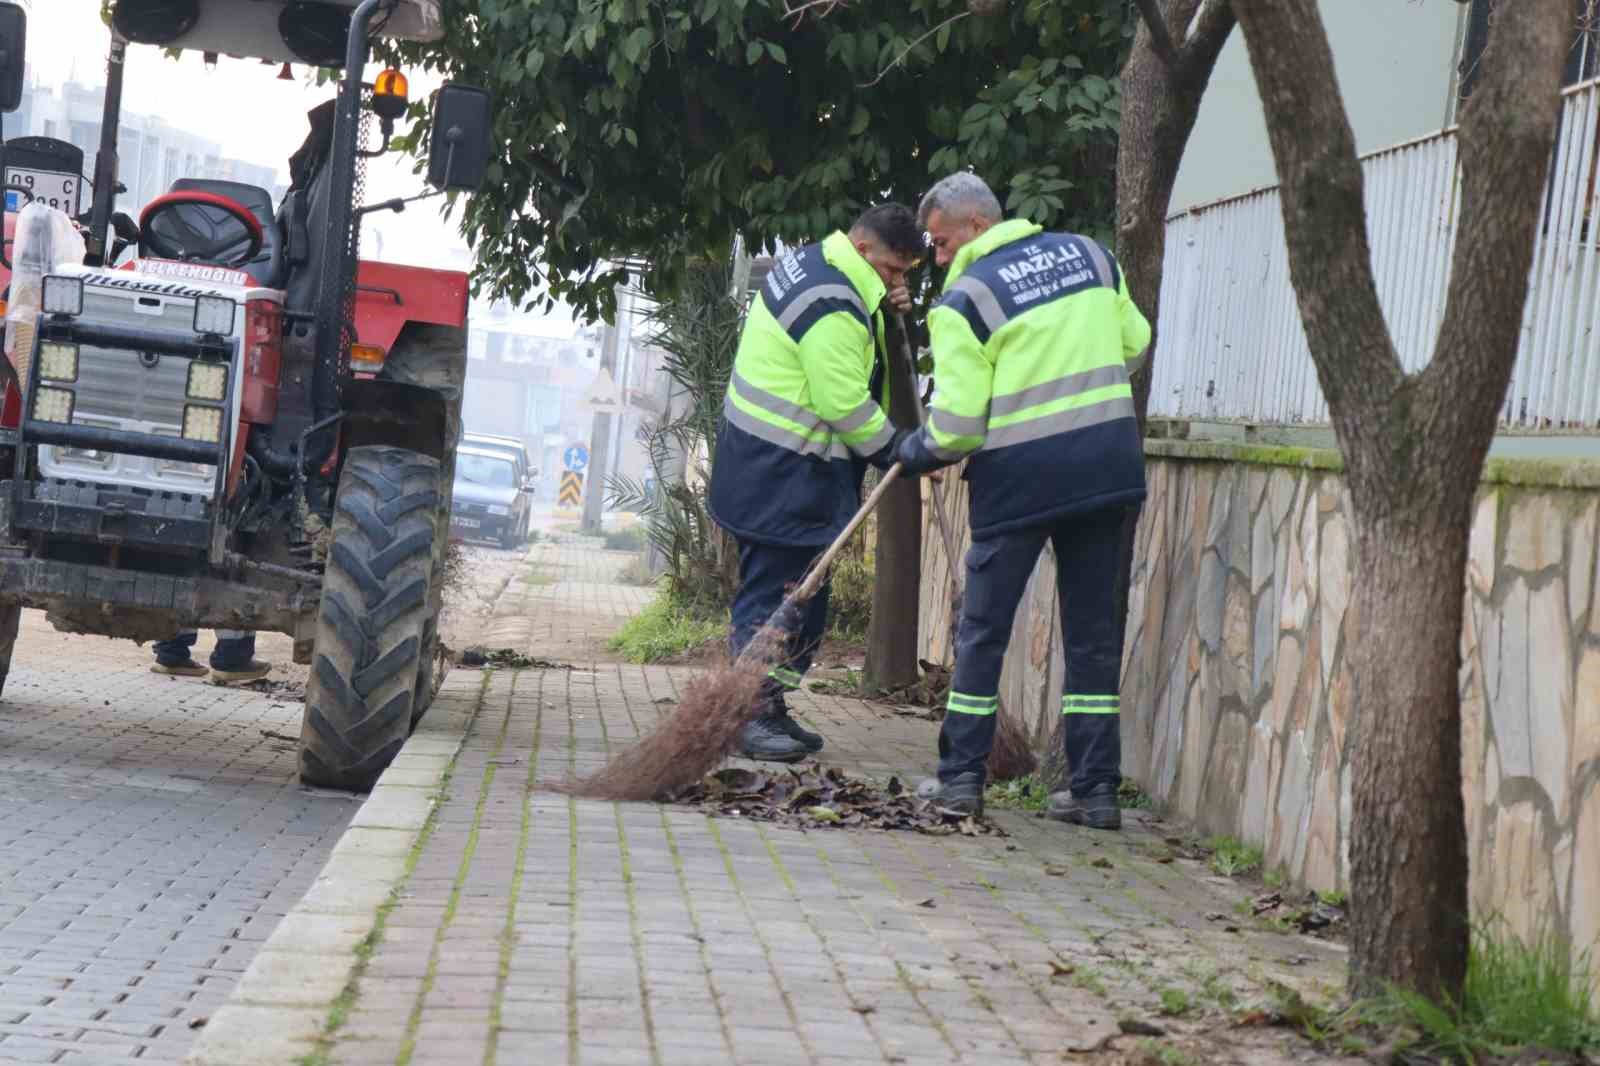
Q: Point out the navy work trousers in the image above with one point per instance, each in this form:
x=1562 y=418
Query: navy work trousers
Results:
x=233 y=651
x=767 y=572
x=998 y=569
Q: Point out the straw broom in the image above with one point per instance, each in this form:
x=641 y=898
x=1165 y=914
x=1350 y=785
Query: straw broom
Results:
x=717 y=705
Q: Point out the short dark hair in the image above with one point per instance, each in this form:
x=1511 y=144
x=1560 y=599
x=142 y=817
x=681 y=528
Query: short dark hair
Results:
x=894 y=226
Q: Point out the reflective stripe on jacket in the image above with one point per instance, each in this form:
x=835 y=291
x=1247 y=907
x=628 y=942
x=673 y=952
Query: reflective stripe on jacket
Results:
x=799 y=418
x=1033 y=341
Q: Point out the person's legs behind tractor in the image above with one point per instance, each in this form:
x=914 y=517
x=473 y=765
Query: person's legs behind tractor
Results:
x=233 y=658
x=1086 y=581
x=175 y=657
x=998 y=568
x=766 y=574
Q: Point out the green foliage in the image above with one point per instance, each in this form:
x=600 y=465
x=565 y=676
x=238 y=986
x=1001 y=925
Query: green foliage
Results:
x=1175 y=1002
x=1517 y=995
x=1131 y=797
x=663 y=629
x=850 y=601
x=1020 y=793
x=631 y=130
x=1233 y=858
x=631 y=539
x=696 y=333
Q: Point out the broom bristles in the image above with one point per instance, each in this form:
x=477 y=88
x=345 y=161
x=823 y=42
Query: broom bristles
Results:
x=1011 y=757
x=696 y=737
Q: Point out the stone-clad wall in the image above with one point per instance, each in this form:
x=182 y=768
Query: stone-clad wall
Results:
x=1237 y=690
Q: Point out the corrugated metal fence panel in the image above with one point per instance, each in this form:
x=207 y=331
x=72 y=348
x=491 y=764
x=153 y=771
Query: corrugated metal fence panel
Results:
x=1231 y=343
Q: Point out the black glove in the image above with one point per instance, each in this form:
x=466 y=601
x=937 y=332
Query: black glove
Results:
x=883 y=458
x=912 y=452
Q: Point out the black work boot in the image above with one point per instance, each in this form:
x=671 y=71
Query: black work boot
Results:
x=812 y=741
x=766 y=739
x=962 y=794
x=1098 y=809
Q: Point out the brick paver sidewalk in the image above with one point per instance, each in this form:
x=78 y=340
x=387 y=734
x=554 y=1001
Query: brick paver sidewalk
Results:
x=508 y=924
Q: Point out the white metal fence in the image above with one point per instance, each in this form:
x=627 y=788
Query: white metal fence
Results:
x=1231 y=344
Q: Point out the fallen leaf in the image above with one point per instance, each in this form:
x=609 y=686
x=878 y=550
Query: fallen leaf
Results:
x=198 y=1023
x=1262 y=904
x=926 y=902
x=1055 y=870
x=1101 y=863
x=864 y=1008
x=1135 y=1027
x=1061 y=969
x=1216 y=916
x=823 y=814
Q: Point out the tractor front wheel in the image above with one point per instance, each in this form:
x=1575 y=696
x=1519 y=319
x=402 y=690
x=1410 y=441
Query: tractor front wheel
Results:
x=373 y=617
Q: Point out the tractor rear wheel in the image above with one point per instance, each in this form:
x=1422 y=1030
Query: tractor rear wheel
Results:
x=373 y=617
x=434 y=357
x=10 y=623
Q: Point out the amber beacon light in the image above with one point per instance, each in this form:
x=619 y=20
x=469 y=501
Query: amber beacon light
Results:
x=390 y=94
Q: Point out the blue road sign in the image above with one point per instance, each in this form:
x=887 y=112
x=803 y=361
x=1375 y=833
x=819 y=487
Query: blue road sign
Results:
x=575 y=458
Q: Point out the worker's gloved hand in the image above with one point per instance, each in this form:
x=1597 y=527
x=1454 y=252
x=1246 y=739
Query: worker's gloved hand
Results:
x=911 y=451
x=883 y=458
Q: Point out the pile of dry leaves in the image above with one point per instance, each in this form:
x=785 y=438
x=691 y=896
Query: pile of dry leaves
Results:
x=810 y=796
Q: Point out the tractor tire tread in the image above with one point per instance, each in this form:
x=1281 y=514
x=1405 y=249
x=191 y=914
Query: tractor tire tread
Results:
x=373 y=616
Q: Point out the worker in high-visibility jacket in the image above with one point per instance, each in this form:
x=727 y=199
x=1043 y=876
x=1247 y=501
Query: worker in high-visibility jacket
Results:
x=1033 y=341
x=801 y=420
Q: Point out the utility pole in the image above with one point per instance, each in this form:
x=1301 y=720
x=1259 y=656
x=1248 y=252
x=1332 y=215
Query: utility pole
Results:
x=594 y=496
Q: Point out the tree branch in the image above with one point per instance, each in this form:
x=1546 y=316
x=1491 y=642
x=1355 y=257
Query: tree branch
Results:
x=1160 y=39
x=1324 y=218
x=1203 y=43
x=1507 y=128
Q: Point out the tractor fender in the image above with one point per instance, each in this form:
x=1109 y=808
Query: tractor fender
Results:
x=389 y=296
x=393 y=414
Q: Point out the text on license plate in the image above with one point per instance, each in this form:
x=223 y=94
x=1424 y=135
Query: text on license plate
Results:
x=465 y=523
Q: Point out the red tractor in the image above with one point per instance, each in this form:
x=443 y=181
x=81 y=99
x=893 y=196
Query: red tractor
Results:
x=223 y=418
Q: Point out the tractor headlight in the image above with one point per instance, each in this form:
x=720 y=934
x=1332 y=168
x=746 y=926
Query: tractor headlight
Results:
x=207 y=381
x=63 y=296
x=58 y=362
x=52 y=405
x=214 y=314
x=202 y=423
x=495 y=508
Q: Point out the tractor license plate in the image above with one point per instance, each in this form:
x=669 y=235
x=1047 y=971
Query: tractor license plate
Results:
x=56 y=190
x=465 y=523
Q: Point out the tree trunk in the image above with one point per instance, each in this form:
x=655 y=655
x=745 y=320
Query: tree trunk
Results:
x=1408 y=855
x=1414 y=447
x=892 y=631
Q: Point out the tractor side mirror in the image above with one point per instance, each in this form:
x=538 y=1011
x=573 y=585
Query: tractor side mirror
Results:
x=458 y=153
x=13 y=55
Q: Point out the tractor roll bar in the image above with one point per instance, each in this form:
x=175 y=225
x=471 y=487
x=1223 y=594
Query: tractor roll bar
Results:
x=338 y=243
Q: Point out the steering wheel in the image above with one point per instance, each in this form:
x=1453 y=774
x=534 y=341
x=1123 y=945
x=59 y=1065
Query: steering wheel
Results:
x=200 y=227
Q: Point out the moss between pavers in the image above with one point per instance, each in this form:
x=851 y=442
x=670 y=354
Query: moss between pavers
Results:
x=1524 y=473
x=363 y=950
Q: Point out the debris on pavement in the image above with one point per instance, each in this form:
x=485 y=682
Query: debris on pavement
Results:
x=507 y=659
x=810 y=796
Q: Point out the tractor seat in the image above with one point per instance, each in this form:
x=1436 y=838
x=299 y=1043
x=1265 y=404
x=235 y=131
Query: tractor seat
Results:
x=270 y=267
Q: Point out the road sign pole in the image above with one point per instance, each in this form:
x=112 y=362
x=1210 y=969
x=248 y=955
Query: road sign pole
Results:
x=600 y=444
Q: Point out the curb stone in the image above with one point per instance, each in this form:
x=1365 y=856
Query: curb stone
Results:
x=280 y=1007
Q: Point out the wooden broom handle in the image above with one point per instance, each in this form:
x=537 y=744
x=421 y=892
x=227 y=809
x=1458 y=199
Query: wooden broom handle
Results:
x=819 y=569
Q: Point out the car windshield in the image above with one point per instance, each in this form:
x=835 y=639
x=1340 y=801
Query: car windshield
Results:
x=484 y=470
